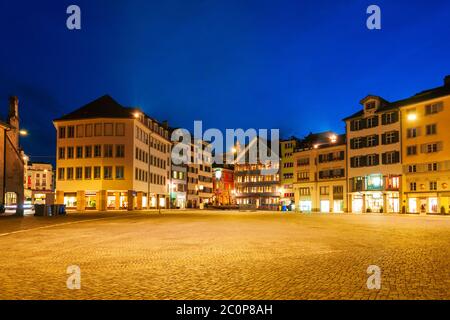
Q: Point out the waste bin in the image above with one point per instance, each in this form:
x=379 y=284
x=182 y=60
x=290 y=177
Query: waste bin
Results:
x=39 y=210
x=62 y=209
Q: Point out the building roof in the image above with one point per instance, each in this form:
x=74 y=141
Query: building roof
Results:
x=4 y=125
x=426 y=95
x=320 y=140
x=103 y=107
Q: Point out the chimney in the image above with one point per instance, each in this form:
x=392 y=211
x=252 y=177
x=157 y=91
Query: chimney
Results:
x=447 y=81
x=13 y=108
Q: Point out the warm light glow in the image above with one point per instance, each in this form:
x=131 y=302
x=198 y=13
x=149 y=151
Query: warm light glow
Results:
x=333 y=138
x=137 y=114
x=23 y=132
x=316 y=146
x=412 y=117
x=25 y=158
x=233 y=150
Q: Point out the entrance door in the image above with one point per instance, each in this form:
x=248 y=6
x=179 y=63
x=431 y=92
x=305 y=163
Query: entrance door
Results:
x=433 y=205
x=325 y=206
x=412 y=205
x=423 y=205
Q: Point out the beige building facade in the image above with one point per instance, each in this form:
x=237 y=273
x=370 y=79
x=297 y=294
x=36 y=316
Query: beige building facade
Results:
x=374 y=157
x=111 y=157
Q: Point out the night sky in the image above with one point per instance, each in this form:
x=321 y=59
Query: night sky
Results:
x=299 y=66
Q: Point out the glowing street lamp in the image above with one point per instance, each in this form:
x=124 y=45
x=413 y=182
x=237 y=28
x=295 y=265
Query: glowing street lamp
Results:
x=333 y=138
x=23 y=132
x=411 y=117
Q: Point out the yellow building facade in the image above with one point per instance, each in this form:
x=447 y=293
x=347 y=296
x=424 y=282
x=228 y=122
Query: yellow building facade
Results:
x=111 y=157
x=426 y=151
x=287 y=168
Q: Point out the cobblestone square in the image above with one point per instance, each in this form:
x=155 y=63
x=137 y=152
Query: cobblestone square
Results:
x=225 y=255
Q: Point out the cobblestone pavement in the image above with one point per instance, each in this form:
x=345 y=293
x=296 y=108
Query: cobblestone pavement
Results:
x=225 y=255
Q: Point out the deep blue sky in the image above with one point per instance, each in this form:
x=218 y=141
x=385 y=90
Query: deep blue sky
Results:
x=298 y=65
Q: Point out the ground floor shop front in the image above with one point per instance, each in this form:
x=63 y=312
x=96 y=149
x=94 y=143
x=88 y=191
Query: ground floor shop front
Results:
x=375 y=201
x=111 y=200
x=427 y=203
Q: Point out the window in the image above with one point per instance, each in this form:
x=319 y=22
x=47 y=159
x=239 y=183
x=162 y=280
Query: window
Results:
x=120 y=172
x=80 y=131
x=108 y=151
x=88 y=173
x=69 y=152
x=411 y=132
x=61 y=153
x=79 y=152
x=60 y=173
x=433 y=166
x=303 y=162
x=357 y=143
x=390 y=157
x=432 y=147
x=356 y=125
x=324 y=191
x=97 y=151
x=412 y=186
x=70 y=132
x=79 y=173
x=304 y=191
x=97 y=172
x=88 y=152
x=411 y=150
x=433 y=185
x=372 y=160
x=120 y=151
x=62 y=132
x=302 y=176
x=393 y=182
x=431 y=129
x=108 y=129
x=433 y=108
x=412 y=168
x=370 y=105
x=69 y=173
x=120 y=129
x=389 y=118
x=107 y=172
x=89 y=130
x=372 y=122
x=391 y=137
x=98 y=129
x=372 y=141
x=338 y=189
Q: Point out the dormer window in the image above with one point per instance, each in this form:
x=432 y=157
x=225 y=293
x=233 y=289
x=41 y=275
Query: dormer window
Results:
x=370 y=105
